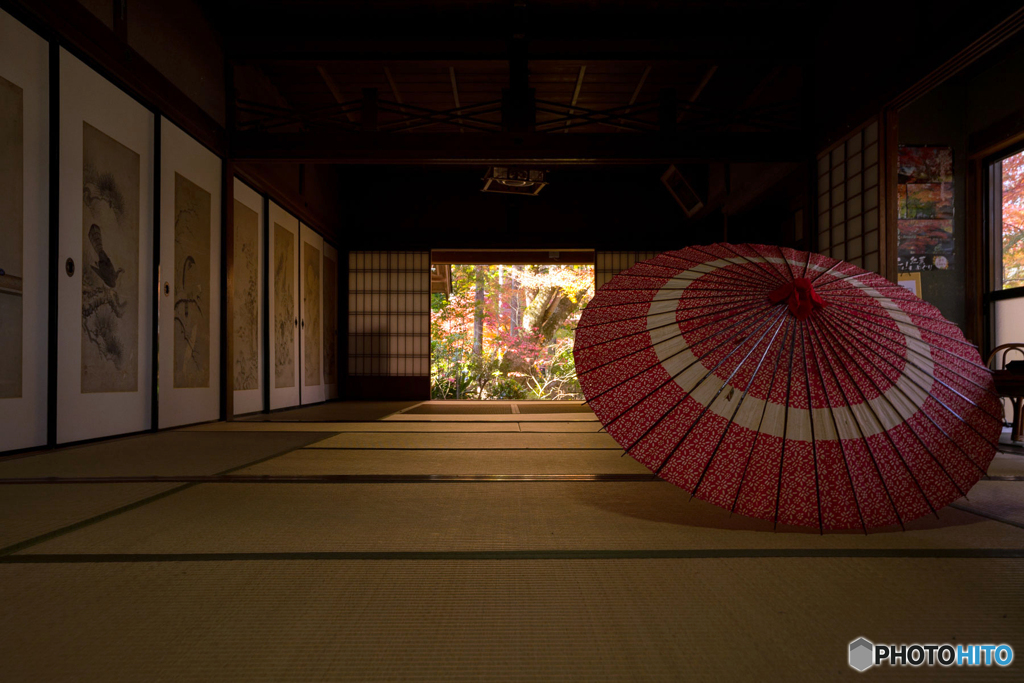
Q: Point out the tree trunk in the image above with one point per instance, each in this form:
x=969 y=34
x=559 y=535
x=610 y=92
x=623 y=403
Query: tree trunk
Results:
x=478 y=313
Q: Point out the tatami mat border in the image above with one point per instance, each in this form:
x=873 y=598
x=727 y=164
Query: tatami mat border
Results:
x=449 y=556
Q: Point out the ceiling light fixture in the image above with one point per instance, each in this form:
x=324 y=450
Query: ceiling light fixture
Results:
x=514 y=180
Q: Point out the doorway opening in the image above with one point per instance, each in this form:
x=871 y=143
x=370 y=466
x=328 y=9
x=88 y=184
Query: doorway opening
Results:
x=504 y=330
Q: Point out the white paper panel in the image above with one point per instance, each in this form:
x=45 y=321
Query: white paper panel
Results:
x=284 y=307
x=190 y=223
x=311 y=315
x=24 y=65
x=248 y=313
x=104 y=373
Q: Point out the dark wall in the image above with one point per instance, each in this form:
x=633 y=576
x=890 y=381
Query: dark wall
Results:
x=867 y=54
x=938 y=118
x=603 y=208
x=965 y=105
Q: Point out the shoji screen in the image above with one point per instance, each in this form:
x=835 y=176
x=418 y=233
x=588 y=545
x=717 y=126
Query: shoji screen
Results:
x=610 y=263
x=850 y=200
x=389 y=313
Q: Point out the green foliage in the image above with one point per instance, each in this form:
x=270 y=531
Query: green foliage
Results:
x=527 y=319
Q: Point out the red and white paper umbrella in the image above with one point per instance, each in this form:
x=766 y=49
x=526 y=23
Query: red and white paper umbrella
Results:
x=788 y=386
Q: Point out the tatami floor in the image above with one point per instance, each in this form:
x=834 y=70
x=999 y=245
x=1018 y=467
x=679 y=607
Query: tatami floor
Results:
x=404 y=541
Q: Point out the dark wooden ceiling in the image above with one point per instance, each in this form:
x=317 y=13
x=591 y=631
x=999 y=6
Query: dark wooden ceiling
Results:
x=593 y=66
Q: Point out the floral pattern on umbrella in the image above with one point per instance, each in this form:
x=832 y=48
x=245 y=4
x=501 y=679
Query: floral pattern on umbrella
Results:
x=788 y=386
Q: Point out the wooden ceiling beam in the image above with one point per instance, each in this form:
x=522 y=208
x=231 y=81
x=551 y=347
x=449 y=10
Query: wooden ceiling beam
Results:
x=455 y=94
x=723 y=49
x=335 y=91
x=344 y=147
x=576 y=94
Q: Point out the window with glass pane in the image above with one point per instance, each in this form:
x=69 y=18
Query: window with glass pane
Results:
x=1010 y=226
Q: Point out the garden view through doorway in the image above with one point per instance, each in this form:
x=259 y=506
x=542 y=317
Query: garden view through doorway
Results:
x=506 y=332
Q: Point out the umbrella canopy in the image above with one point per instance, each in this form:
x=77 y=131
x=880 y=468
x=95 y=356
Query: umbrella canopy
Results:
x=788 y=386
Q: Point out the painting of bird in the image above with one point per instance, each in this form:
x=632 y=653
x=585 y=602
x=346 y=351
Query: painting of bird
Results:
x=104 y=268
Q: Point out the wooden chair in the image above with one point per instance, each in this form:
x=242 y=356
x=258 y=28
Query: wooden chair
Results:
x=1010 y=383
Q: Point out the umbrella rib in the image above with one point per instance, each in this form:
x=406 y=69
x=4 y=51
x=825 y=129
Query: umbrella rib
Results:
x=648 y=315
x=743 y=397
x=772 y=281
x=810 y=413
x=906 y=421
x=752 y=295
x=840 y=280
x=940 y=402
x=888 y=437
x=657 y=422
x=660 y=362
x=858 y=322
x=855 y=298
x=942 y=365
x=746 y=281
x=705 y=409
x=835 y=427
x=775 y=277
x=646 y=348
x=826 y=272
x=860 y=429
x=789 y=266
x=700 y=274
x=743 y=307
x=716 y=257
x=962 y=342
x=932 y=396
x=785 y=425
x=760 y=422
x=634 y=334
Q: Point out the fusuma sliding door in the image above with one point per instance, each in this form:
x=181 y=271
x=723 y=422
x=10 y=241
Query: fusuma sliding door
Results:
x=190 y=220
x=248 y=310
x=284 y=308
x=105 y=300
x=24 y=234
x=330 y=322
x=311 y=316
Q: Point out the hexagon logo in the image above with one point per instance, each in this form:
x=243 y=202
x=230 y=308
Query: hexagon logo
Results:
x=862 y=654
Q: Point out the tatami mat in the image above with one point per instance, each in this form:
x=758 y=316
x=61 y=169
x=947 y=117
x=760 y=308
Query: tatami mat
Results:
x=27 y=510
x=461 y=408
x=552 y=417
x=262 y=518
x=1006 y=465
x=312 y=461
x=579 y=441
x=591 y=621
x=546 y=407
x=334 y=411
x=164 y=453
x=1001 y=499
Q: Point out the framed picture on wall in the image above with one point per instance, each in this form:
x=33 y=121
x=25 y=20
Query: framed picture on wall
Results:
x=925 y=208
